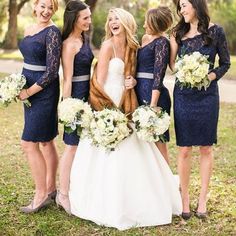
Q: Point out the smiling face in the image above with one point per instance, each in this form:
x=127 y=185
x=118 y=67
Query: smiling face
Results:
x=84 y=20
x=114 y=24
x=187 y=11
x=43 y=10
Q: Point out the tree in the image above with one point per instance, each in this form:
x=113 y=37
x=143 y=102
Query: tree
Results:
x=3 y=15
x=91 y=3
x=14 y=8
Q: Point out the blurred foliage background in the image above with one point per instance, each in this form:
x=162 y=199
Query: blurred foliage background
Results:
x=222 y=12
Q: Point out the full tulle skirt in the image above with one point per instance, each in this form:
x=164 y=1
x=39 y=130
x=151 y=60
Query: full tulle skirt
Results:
x=132 y=186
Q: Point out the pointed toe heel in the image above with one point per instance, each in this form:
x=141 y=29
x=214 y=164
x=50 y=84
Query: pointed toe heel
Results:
x=30 y=209
x=201 y=215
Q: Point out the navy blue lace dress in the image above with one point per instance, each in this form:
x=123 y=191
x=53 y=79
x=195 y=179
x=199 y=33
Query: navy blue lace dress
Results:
x=196 y=112
x=151 y=67
x=41 y=54
x=80 y=83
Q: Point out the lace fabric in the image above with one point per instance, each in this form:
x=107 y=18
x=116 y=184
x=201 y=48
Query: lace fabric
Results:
x=218 y=46
x=53 y=48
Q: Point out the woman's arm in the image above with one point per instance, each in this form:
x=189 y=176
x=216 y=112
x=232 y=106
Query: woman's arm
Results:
x=68 y=55
x=162 y=54
x=53 y=56
x=173 y=52
x=224 y=56
x=104 y=57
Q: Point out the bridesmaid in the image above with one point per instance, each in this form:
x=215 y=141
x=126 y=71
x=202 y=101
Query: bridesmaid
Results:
x=41 y=49
x=153 y=58
x=76 y=61
x=196 y=112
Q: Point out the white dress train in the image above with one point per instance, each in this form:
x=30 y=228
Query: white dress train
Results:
x=130 y=187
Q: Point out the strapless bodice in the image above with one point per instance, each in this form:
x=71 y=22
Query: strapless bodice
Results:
x=114 y=85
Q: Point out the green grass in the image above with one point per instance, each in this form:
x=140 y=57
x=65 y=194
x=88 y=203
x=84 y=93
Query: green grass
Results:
x=11 y=54
x=231 y=74
x=16 y=188
x=2 y=75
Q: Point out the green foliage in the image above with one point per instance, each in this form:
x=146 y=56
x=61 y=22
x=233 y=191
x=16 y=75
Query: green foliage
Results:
x=16 y=188
x=98 y=31
x=224 y=13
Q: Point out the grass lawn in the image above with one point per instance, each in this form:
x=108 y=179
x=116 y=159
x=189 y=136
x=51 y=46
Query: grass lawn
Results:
x=16 y=188
x=231 y=74
x=11 y=54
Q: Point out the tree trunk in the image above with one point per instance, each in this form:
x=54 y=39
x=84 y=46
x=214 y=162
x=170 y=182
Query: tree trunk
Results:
x=10 y=41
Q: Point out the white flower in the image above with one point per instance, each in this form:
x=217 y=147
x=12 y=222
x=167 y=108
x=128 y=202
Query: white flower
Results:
x=192 y=70
x=10 y=88
x=108 y=128
x=75 y=114
x=150 y=124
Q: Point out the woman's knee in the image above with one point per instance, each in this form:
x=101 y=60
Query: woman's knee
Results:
x=206 y=151
x=28 y=146
x=185 y=152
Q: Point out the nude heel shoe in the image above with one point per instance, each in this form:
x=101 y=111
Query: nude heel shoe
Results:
x=59 y=203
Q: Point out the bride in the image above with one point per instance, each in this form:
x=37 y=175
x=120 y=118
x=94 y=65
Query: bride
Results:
x=132 y=186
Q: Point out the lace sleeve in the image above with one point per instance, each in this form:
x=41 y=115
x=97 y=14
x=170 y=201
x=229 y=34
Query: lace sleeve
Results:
x=223 y=53
x=53 y=45
x=162 y=53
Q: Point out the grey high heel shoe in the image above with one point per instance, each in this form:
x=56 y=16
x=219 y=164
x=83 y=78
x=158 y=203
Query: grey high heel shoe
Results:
x=29 y=209
x=59 y=204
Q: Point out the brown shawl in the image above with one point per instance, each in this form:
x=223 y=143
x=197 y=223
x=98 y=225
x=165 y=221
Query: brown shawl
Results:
x=100 y=100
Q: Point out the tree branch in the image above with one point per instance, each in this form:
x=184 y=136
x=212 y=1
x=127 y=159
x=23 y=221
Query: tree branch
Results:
x=20 y=5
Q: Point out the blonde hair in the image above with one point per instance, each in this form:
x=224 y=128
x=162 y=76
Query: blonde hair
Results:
x=130 y=26
x=54 y=5
x=159 y=19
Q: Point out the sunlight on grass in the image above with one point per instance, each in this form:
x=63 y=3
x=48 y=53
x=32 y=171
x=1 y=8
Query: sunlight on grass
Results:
x=231 y=74
x=11 y=54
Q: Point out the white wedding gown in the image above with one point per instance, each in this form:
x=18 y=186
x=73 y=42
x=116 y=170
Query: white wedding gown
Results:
x=130 y=187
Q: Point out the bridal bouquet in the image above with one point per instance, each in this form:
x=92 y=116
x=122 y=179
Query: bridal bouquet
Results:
x=192 y=70
x=75 y=114
x=150 y=124
x=10 y=88
x=108 y=128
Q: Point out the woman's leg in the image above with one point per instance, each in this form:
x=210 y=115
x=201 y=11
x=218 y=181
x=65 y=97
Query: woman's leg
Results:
x=64 y=176
x=38 y=169
x=163 y=150
x=206 y=166
x=51 y=159
x=184 y=169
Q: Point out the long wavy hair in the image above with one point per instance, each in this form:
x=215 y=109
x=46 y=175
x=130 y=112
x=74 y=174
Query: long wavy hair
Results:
x=203 y=17
x=130 y=26
x=71 y=15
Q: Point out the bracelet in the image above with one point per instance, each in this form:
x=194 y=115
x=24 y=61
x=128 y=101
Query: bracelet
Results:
x=26 y=90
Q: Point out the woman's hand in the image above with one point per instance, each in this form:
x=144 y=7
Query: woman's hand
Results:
x=211 y=76
x=156 y=108
x=23 y=95
x=130 y=82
